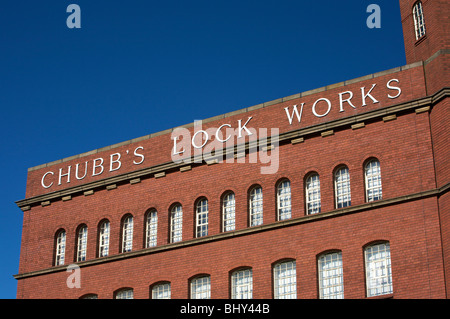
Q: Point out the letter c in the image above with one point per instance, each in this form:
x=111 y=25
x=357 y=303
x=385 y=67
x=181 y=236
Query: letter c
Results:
x=217 y=133
x=42 y=180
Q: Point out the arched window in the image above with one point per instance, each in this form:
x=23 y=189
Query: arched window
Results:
x=125 y=293
x=285 y=280
x=151 y=228
x=256 y=206
x=82 y=242
x=103 y=238
x=372 y=176
x=60 y=247
x=242 y=284
x=89 y=296
x=176 y=223
x=284 y=200
x=127 y=233
x=419 y=21
x=201 y=287
x=228 y=212
x=161 y=291
x=342 y=187
x=378 y=269
x=312 y=194
x=201 y=220
x=331 y=279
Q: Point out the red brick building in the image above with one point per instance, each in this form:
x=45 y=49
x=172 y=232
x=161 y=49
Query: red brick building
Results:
x=338 y=192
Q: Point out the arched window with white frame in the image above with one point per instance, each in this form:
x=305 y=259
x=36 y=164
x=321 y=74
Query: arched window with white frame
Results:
x=312 y=194
x=331 y=278
x=82 y=234
x=103 y=238
x=419 y=20
x=342 y=187
x=151 y=228
x=201 y=218
x=176 y=223
x=228 y=212
x=201 y=287
x=125 y=293
x=256 y=206
x=284 y=210
x=372 y=177
x=60 y=247
x=161 y=290
x=127 y=233
x=285 y=280
x=378 y=269
x=242 y=284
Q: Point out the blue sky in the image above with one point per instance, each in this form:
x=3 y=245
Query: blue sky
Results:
x=141 y=66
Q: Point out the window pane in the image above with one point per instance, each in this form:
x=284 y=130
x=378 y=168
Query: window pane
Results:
x=284 y=200
x=378 y=269
x=202 y=218
x=331 y=280
x=242 y=284
x=313 y=204
x=152 y=228
x=127 y=234
x=228 y=210
x=125 y=294
x=373 y=181
x=82 y=243
x=104 y=239
x=176 y=230
x=256 y=207
x=342 y=188
x=60 y=248
x=285 y=280
x=161 y=291
x=419 y=21
x=201 y=288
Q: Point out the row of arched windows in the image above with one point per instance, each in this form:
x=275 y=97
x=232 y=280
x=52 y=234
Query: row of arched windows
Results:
x=373 y=189
x=330 y=278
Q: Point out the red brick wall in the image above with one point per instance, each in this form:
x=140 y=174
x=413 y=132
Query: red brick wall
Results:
x=403 y=147
x=411 y=228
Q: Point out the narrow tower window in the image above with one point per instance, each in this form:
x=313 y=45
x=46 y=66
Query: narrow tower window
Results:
x=419 y=21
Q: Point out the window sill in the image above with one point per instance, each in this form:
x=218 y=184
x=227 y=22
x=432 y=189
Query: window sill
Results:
x=420 y=40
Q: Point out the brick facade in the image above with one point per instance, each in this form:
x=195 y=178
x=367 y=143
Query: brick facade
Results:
x=366 y=118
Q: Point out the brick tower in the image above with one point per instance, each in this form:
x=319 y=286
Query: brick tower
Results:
x=426 y=31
